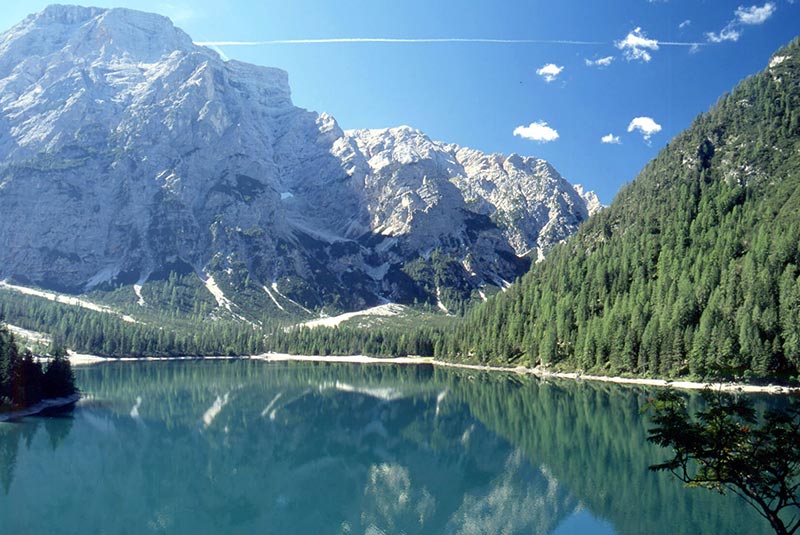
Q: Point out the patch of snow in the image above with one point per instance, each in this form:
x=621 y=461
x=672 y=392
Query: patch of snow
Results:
x=67 y=300
x=467 y=265
x=389 y=309
x=277 y=304
x=137 y=289
x=34 y=337
x=501 y=283
x=439 y=301
x=286 y=195
x=222 y=301
x=292 y=301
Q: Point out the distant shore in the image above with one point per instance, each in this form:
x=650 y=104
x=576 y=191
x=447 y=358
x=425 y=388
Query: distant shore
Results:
x=83 y=360
x=78 y=359
x=683 y=385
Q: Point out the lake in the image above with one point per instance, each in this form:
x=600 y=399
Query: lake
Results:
x=230 y=447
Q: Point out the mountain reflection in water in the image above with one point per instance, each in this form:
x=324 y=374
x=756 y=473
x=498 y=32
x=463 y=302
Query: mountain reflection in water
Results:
x=249 y=447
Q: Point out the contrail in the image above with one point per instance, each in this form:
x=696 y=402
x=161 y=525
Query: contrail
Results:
x=424 y=40
x=392 y=40
x=678 y=43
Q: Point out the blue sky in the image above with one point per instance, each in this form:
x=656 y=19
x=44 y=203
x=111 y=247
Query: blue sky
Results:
x=478 y=94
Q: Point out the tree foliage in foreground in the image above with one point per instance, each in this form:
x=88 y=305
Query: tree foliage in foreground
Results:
x=23 y=379
x=726 y=447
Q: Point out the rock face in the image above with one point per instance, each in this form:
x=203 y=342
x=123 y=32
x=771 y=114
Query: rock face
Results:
x=127 y=152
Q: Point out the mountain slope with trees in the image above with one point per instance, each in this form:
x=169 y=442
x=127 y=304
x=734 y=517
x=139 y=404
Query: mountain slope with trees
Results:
x=694 y=268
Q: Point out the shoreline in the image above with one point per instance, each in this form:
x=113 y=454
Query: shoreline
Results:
x=42 y=406
x=635 y=381
x=85 y=360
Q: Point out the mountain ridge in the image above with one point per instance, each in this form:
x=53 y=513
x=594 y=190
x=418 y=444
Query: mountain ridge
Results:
x=157 y=156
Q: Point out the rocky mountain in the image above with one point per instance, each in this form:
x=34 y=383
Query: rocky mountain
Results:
x=128 y=153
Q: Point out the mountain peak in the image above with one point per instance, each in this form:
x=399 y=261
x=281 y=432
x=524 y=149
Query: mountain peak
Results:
x=88 y=32
x=64 y=14
x=143 y=153
x=117 y=18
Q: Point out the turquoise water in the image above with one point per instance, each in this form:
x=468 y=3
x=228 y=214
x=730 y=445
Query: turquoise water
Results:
x=229 y=447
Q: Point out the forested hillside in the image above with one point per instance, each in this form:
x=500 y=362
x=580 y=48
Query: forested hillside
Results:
x=693 y=269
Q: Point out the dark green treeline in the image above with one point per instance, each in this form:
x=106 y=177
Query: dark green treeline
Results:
x=109 y=335
x=23 y=380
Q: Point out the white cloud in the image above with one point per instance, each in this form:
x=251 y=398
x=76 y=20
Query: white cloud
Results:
x=611 y=139
x=645 y=125
x=755 y=14
x=602 y=62
x=726 y=34
x=684 y=24
x=743 y=16
x=537 y=131
x=549 y=72
x=636 y=45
